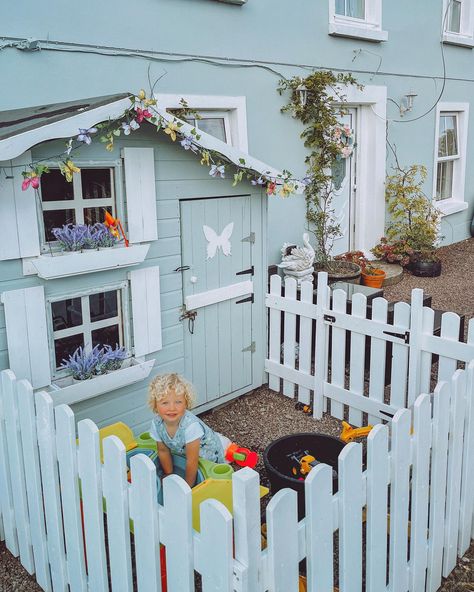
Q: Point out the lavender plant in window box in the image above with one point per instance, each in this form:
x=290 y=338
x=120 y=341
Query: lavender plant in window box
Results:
x=72 y=237
x=101 y=237
x=112 y=358
x=83 y=364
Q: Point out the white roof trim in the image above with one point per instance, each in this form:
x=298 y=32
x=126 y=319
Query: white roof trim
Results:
x=66 y=128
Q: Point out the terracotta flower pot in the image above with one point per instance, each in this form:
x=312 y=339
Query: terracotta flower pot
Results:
x=374 y=279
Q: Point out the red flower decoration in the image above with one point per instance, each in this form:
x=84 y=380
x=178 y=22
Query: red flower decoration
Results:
x=33 y=181
x=142 y=114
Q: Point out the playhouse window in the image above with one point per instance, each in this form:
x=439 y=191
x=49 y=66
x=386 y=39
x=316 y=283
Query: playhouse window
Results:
x=215 y=123
x=86 y=321
x=450 y=156
x=351 y=8
x=83 y=201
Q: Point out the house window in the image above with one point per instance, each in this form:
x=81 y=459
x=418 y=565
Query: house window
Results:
x=450 y=156
x=82 y=201
x=351 y=8
x=86 y=321
x=215 y=123
x=359 y=19
x=458 y=22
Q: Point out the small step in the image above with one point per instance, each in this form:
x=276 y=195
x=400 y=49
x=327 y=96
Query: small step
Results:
x=393 y=272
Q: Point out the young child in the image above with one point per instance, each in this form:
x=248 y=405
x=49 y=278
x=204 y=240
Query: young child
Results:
x=177 y=430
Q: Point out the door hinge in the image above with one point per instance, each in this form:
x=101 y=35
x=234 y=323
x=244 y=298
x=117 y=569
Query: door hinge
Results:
x=405 y=336
x=250 y=348
x=329 y=318
x=250 y=270
x=249 y=239
x=248 y=299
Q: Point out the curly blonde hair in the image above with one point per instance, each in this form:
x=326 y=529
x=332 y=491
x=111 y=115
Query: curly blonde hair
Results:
x=160 y=386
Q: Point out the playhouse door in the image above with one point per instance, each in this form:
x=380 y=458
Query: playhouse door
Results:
x=343 y=201
x=217 y=246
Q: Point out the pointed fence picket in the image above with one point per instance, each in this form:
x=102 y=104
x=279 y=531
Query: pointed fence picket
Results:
x=408 y=513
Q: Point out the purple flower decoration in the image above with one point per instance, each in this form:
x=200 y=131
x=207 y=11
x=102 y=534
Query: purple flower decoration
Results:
x=306 y=180
x=128 y=127
x=259 y=181
x=217 y=171
x=85 y=135
x=187 y=143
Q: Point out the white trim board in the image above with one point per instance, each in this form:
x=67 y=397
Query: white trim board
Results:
x=218 y=295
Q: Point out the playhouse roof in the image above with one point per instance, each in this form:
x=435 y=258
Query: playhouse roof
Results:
x=20 y=129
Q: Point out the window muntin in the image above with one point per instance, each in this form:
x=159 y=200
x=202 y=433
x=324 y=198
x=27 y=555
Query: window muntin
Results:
x=351 y=8
x=447 y=155
x=215 y=123
x=86 y=321
x=81 y=202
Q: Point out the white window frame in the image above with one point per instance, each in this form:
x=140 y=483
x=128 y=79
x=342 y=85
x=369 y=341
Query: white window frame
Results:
x=87 y=326
x=214 y=114
x=235 y=109
x=369 y=28
x=78 y=203
x=457 y=202
x=465 y=37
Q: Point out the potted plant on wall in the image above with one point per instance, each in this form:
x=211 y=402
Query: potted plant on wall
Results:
x=85 y=365
x=414 y=230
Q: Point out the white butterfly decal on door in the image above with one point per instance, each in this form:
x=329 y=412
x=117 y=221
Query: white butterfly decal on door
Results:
x=218 y=241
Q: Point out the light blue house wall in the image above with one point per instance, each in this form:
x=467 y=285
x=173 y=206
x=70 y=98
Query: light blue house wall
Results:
x=204 y=47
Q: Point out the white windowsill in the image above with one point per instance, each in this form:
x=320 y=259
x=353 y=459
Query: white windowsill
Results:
x=357 y=32
x=239 y=2
x=461 y=40
x=448 y=207
x=67 y=392
x=63 y=264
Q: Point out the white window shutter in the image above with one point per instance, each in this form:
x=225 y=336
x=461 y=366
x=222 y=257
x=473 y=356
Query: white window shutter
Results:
x=27 y=335
x=146 y=310
x=18 y=214
x=140 y=193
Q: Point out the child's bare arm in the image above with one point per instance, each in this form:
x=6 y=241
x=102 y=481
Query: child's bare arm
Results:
x=192 y=459
x=166 y=461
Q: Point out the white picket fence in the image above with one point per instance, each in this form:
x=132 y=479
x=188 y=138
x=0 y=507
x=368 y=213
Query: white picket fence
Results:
x=415 y=492
x=324 y=350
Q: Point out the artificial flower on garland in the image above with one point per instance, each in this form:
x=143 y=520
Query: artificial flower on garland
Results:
x=68 y=168
x=32 y=178
x=343 y=136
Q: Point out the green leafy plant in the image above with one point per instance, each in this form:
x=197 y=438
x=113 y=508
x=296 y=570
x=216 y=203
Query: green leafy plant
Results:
x=398 y=251
x=415 y=220
x=327 y=142
x=356 y=257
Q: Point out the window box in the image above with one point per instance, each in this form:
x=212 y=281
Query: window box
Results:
x=63 y=264
x=68 y=392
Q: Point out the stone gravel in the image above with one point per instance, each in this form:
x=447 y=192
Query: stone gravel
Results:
x=262 y=416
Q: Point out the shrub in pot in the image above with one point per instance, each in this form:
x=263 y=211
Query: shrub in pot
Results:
x=413 y=234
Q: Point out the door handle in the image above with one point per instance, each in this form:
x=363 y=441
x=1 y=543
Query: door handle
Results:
x=182 y=268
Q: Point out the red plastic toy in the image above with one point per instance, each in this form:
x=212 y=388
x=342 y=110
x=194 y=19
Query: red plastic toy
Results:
x=242 y=456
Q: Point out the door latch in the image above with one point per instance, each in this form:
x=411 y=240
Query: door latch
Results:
x=190 y=315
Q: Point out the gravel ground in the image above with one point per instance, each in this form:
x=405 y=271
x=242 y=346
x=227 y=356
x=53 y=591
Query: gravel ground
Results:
x=262 y=416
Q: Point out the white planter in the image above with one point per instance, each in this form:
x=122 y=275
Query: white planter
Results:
x=69 y=392
x=63 y=264
x=305 y=275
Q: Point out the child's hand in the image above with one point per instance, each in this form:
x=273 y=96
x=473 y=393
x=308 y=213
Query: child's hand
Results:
x=166 y=460
x=192 y=459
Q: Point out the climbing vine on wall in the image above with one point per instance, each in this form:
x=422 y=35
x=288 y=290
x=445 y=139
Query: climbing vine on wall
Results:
x=328 y=142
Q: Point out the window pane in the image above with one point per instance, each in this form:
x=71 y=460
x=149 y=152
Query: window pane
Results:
x=103 y=305
x=96 y=183
x=106 y=336
x=57 y=218
x=448 y=141
x=213 y=126
x=66 y=313
x=454 y=17
x=93 y=215
x=352 y=8
x=66 y=346
x=54 y=186
x=444 y=180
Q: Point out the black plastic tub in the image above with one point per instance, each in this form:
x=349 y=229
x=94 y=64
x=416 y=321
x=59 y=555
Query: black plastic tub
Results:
x=278 y=463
